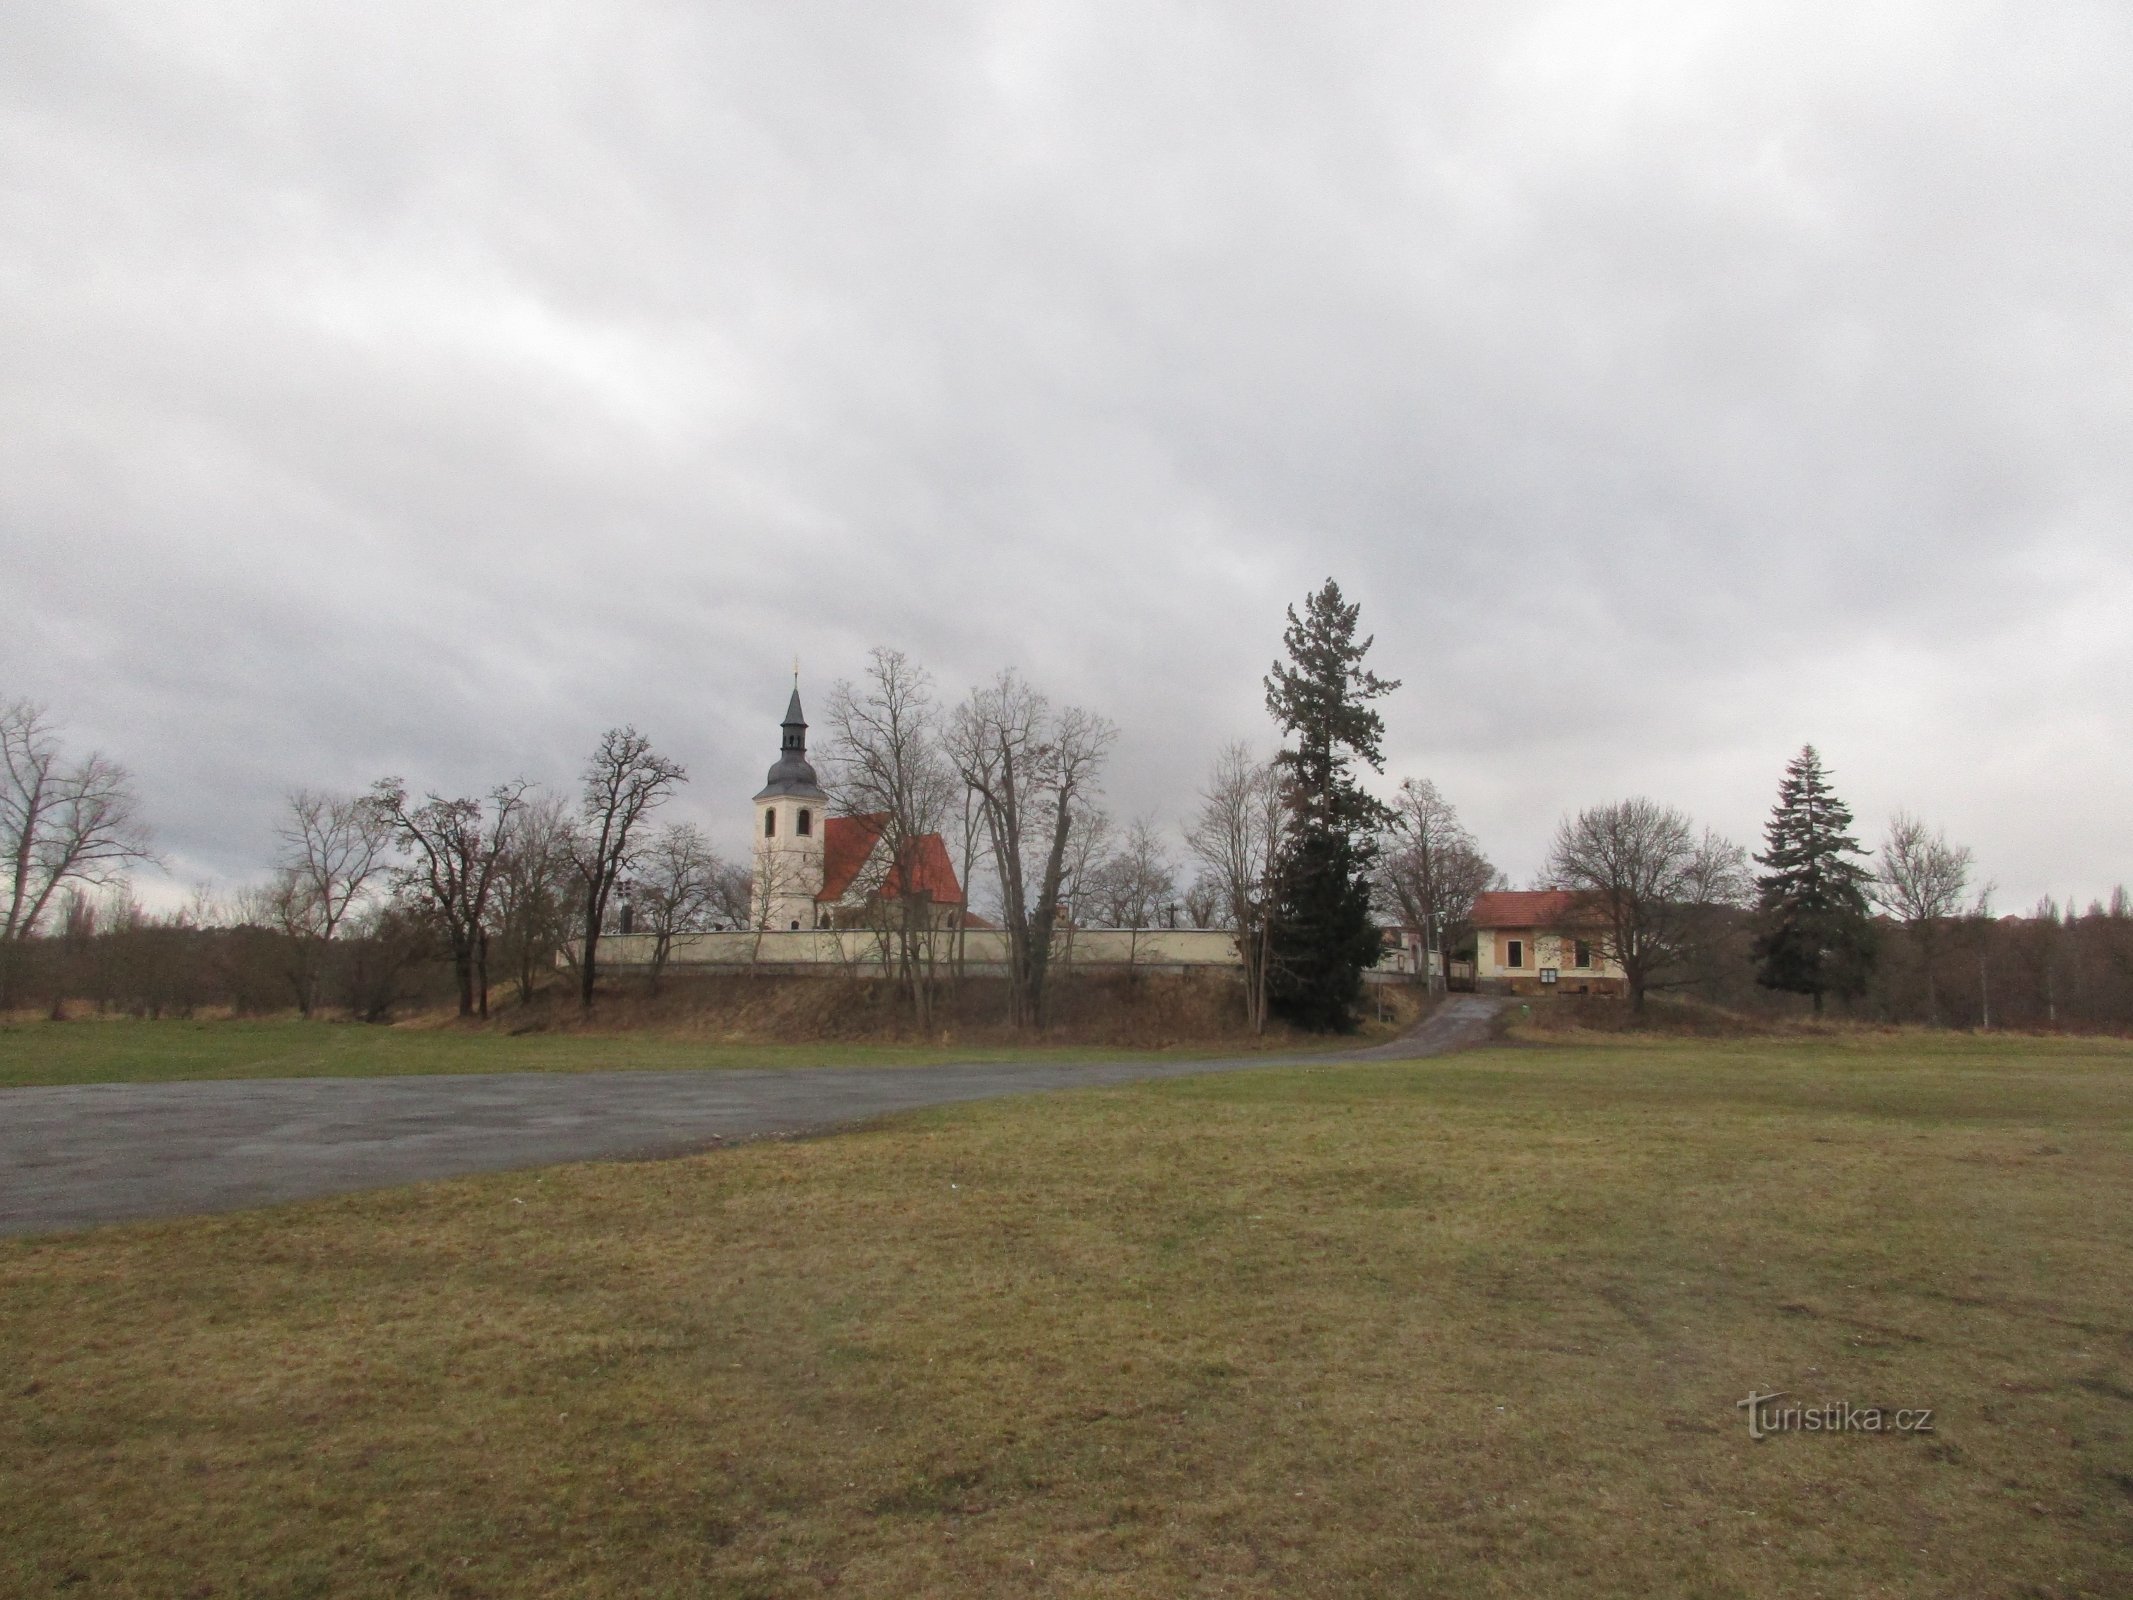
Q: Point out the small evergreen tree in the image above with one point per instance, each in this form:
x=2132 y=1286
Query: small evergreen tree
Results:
x=1324 y=936
x=1816 y=932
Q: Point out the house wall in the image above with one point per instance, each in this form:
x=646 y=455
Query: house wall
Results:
x=1493 y=972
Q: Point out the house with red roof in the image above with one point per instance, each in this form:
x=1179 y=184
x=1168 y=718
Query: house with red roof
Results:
x=814 y=870
x=1541 y=941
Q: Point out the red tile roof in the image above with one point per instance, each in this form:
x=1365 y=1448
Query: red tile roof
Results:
x=1526 y=908
x=846 y=844
x=849 y=842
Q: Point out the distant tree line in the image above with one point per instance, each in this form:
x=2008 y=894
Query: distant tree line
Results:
x=386 y=899
x=1290 y=849
x=369 y=896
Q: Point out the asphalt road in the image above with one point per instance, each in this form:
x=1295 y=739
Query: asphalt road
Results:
x=76 y=1156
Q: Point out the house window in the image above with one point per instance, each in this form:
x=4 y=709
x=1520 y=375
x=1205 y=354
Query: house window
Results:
x=1583 y=954
x=1514 y=952
x=770 y=824
x=806 y=824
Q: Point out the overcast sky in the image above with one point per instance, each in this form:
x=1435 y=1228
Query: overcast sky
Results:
x=422 y=389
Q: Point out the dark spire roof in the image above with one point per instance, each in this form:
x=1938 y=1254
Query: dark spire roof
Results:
x=792 y=775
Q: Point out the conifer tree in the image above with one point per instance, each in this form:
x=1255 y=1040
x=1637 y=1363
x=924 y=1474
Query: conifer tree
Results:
x=1324 y=935
x=1817 y=934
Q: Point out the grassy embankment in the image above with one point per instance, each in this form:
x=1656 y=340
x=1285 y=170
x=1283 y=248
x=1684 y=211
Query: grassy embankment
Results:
x=732 y=1023
x=1463 y=1327
x=124 y=1051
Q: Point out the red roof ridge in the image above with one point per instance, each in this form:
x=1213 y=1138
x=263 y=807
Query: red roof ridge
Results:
x=849 y=843
x=1527 y=908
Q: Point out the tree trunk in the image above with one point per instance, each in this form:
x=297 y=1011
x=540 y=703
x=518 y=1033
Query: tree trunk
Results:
x=585 y=967
x=1018 y=985
x=1256 y=944
x=917 y=949
x=1932 y=995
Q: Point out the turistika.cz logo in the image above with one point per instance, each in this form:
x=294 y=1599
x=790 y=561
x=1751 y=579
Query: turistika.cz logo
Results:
x=1766 y=1417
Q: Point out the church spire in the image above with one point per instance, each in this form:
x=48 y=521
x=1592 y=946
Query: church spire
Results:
x=793 y=774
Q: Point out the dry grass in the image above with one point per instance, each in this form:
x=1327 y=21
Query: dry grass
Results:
x=1472 y=1327
x=1106 y=1009
x=1568 y=1018
x=705 y=1023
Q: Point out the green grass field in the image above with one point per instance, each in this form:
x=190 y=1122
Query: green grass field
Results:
x=1471 y=1327
x=125 y=1051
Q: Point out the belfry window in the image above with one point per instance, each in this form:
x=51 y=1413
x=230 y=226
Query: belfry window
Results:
x=770 y=824
x=806 y=823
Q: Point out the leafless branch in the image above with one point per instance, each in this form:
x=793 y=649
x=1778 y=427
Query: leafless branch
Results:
x=59 y=824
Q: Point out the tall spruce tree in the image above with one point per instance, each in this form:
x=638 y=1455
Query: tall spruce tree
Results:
x=1323 y=935
x=1816 y=934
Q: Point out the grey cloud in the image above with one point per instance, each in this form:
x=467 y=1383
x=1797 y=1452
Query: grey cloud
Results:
x=419 y=391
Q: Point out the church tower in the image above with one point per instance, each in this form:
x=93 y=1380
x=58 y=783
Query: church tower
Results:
x=789 y=816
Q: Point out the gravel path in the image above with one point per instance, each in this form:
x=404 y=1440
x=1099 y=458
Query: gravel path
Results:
x=76 y=1156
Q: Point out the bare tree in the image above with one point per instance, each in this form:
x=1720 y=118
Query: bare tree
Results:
x=778 y=876
x=1432 y=870
x=1068 y=783
x=996 y=739
x=970 y=837
x=1921 y=880
x=623 y=780
x=383 y=942
x=1034 y=772
x=284 y=905
x=531 y=899
x=334 y=848
x=1982 y=926
x=1238 y=837
x=456 y=847
x=733 y=896
x=1657 y=890
x=886 y=763
x=1136 y=885
x=60 y=823
x=1088 y=847
x=1204 y=904
x=675 y=888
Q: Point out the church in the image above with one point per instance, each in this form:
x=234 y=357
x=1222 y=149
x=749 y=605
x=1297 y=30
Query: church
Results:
x=824 y=886
x=813 y=870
